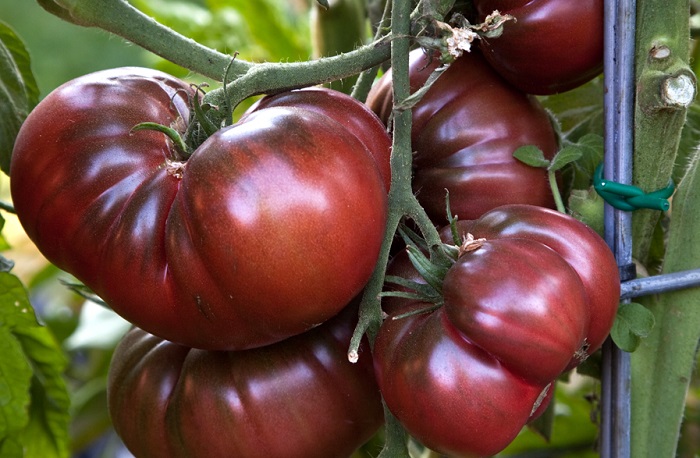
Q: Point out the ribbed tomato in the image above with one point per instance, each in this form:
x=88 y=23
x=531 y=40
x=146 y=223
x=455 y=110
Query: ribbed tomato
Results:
x=531 y=296
x=268 y=229
x=297 y=398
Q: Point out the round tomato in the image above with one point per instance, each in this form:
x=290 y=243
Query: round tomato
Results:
x=465 y=130
x=268 y=229
x=532 y=296
x=551 y=46
x=297 y=398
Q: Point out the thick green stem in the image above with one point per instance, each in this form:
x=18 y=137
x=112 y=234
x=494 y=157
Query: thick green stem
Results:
x=401 y=161
x=265 y=78
x=665 y=88
x=120 y=18
x=402 y=201
x=664 y=363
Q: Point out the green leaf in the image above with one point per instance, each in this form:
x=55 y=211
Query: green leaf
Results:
x=591 y=147
x=632 y=324
x=15 y=309
x=10 y=448
x=34 y=399
x=532 y=156
x=19 y=92
x=564 y=157
x=15 y=378
x=46 y=433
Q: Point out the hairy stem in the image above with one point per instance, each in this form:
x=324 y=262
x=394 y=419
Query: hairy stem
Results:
x=665 y=88
x=664 y=363
x=402 y=201
x=266 y=78
x=122 y=19
x=662 y=366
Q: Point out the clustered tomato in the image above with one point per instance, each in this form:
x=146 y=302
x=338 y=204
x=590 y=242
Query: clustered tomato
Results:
x=551 y=46
x=297 y=398
x=465 y=130
x=255 y=244
x=268 y=229
x=532 y=296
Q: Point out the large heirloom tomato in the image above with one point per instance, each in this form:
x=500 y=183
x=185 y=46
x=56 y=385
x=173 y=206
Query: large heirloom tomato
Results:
x=465 y=130
x=532 y=299
x=552 y=46
x=268 y=229
x=297 y=398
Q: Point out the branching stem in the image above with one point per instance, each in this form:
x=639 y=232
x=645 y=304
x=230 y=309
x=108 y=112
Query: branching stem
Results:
x=402 y=201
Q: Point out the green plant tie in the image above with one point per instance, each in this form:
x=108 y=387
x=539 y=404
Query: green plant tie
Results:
x=628 y=197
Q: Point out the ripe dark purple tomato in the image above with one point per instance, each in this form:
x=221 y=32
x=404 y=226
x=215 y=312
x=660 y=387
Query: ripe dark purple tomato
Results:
x=534 y=295
x=268 y=229
x=300 y=397
x=465 y=130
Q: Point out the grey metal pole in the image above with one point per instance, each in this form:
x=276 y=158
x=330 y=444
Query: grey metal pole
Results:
x=620 y=17
x=660 y=283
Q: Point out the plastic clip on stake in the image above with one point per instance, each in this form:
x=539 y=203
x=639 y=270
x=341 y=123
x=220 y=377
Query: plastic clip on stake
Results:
x=628 y=197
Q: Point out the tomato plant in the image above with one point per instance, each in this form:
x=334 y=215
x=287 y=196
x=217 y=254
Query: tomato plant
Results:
x=465 y=130
x=297 y=398
x=530 y=295
x=253 y=238
x=183 y=250
x=551 y=46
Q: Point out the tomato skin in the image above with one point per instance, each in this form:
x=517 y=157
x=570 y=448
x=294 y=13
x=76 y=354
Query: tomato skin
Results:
x=297 y=398
x=465 y=130
x=579 y=245
x=530 y=302
x=249 y=246
x=552 y=46
x=363 y=123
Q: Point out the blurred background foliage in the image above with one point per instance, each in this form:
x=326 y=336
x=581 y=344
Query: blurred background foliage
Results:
x=259 y=30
